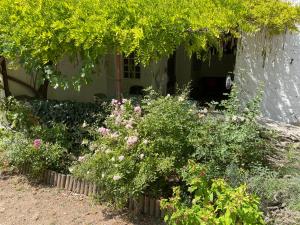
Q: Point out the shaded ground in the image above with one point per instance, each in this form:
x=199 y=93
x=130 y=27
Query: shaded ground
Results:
x=24 y=204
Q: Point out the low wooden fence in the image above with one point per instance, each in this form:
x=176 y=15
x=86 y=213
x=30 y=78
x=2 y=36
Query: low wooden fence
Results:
x=143 y=206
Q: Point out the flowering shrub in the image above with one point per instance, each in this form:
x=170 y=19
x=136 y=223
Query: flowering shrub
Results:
x=210 y=202
x=36 y=154
x=140 y=147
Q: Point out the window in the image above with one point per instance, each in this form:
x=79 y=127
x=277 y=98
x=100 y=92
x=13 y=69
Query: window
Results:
x=131 y=69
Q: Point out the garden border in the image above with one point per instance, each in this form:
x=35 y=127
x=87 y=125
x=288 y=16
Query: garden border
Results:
x=145 y=205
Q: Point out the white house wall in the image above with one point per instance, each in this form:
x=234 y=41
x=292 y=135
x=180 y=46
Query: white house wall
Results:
x=103 y=80
x=274 y=62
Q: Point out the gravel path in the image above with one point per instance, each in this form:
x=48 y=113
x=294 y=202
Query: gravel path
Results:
x=24 y=204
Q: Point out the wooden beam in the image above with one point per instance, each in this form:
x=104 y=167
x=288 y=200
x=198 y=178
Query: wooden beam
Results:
x=5 y=76
x=118 y=76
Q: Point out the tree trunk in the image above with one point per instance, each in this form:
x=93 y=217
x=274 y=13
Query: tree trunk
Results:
x=43 y=90
x=3 y=120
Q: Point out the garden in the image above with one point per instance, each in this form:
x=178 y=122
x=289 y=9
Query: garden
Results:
x=207 y=165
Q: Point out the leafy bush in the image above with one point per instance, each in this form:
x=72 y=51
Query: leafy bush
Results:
x=70 y=120
x=210 y=202
x=18 y=114
x=233 y=139
x=141 y=147
x=71 y=114
x=36 y=155
x=63 y=123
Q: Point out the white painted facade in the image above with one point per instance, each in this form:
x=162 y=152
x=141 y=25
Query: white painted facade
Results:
x=103 y=80
x=274 y=62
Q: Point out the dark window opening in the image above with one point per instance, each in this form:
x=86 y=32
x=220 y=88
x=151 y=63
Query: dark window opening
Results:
x=131 y=69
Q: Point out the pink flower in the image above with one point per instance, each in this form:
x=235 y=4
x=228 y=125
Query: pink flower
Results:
x=103 y=131
x=37 y=143
x=116 y=113
x=114 y=102
x=132 y=141
x=138 y=110
x=118 y=120
x=129 y=126
x=81 y=158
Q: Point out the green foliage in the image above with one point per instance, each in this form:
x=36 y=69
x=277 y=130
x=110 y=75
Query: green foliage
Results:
x=39 y=34
x=140 y=148
x=279 y=187
x=71 y=114
x=210 y=202
x=63 y=123
x=38 y=156
x=67 y=122
x=18 y=115
x=233 y=140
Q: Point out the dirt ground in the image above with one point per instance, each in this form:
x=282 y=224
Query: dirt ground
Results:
x=25 y=204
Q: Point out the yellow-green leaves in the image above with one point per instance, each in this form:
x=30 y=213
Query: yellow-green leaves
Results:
x=42 y=31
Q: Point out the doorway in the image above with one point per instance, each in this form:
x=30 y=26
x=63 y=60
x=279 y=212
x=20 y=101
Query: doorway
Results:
x=171 y=71
x=211 y=79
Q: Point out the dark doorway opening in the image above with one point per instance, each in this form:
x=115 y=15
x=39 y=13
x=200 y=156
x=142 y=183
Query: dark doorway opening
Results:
x=171 y=85
x=211 y=79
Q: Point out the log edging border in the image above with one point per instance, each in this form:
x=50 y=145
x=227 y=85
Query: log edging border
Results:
x=145 y=205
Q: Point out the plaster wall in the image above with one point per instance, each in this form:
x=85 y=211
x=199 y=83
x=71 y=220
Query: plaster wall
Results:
x=103 y=80
x=273 y=61
x=99 y=84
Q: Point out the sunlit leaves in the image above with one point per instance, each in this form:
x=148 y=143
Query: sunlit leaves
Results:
x=43 y=31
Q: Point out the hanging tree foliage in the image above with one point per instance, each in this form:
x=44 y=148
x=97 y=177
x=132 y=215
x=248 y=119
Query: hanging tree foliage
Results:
x=38 y=34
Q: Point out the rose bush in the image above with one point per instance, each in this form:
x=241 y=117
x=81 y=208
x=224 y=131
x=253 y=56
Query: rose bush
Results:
x=142 y=147
x=35 y=154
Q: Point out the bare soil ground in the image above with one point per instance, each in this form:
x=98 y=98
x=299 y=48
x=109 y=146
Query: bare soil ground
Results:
x=24 y=204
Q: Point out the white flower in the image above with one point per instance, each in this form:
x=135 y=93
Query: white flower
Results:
x=121 y=158
x=108 y=151
x=84 y=125
x=114 y=135
x=116 y=177
x=81 y=158
x=145 y=142
x=102 y=175
x=142 y=156
x=181 y=99
x=84 y=142
x=113 y=159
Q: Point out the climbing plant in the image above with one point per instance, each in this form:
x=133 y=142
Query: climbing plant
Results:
x=38 y=34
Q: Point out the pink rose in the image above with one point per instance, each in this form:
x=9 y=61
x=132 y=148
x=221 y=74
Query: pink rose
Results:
x=132 y=141
x=103 y=131
x=37 y=143
x=138 y=110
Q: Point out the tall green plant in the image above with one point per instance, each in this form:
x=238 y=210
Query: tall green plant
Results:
x=211 y=202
